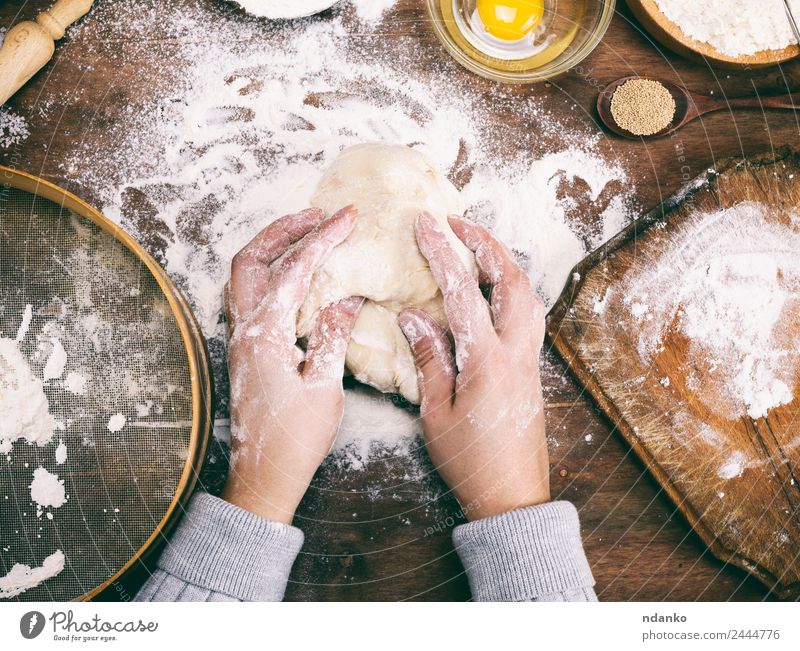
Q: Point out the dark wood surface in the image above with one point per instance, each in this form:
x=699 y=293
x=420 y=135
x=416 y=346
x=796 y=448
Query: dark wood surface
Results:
x=364 y=539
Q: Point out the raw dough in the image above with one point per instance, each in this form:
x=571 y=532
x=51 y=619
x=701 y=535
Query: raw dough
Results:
x=390 y=186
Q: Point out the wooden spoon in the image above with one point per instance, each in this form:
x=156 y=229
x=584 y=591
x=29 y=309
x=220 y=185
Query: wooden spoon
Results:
x=689 y=106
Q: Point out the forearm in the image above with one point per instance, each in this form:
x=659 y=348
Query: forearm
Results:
x=221 y=552
x=531 y=554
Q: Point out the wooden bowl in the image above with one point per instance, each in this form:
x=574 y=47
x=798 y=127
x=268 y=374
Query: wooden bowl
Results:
x=671 y=36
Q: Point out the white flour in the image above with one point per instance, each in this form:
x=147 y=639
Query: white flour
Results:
x=47 y=490
x=254 y=113
x=733 y=289
x=13 y=128
x=24 y=409
x=27 y=316
x=276 y=9
x=733 y=27
x=61 y=453
x=24 y=577
x=527 y=212
x=366 y=410
x=247 y=139
x=366 y=10
x=75 y=383
x=372 y=10
x=733 y=466
x=116 y=423
x=56 y=362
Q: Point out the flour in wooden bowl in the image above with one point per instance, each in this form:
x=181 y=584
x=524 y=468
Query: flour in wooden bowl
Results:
x=732 y=27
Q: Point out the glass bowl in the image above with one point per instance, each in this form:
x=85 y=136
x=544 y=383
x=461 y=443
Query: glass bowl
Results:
x=574 y=31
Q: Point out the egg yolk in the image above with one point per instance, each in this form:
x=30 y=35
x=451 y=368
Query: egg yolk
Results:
x=510 y=20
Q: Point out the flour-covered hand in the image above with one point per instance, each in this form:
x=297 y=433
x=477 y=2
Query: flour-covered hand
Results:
x=286 y=404
x=482 y=408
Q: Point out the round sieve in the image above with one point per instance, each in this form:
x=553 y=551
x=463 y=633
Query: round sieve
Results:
x=132 y=402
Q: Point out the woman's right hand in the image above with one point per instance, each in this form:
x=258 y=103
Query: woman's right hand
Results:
x=482 y=409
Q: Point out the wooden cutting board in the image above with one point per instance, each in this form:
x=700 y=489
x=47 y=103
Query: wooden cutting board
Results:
x=685 y=329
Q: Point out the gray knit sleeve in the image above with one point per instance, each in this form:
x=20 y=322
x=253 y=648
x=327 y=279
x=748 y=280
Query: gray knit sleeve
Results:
x=531 y=554
x=220 y=552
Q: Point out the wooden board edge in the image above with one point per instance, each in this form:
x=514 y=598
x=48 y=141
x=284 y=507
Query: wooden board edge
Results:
x=559 y=312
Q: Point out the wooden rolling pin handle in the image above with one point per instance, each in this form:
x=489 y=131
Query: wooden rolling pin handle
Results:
x=28 y=46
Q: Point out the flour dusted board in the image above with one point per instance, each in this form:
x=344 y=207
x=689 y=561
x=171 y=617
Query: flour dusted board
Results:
x=685 y=328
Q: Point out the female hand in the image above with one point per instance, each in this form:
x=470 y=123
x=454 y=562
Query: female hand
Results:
x=482 y=412
x=286 y=405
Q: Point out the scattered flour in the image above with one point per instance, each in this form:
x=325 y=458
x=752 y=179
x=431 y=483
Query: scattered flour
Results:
x=277 y=9
x=54 y=368
x=47 y=490
x=733 y=467
x=13 y=128
x=24 y=577
x=529 y=214
x=24 y=409
x=247 y=136
x=368 y=11
x=390 y=428
x=27 y=315
x=733 y=290
x=733 y=27
x=61 y=453
x=247 y=118
x=75 y=383
x=116 y=423
x=371 y=11
x=143 y=410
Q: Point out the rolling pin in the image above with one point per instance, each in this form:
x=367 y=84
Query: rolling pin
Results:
x=29 y=45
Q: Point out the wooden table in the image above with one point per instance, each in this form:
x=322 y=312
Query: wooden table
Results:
x=363 y=543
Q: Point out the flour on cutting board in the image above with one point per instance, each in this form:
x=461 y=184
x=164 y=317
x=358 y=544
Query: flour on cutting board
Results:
x=24 y=577
x=733 y=292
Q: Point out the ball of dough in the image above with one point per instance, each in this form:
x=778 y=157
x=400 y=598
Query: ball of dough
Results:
x=390 y=186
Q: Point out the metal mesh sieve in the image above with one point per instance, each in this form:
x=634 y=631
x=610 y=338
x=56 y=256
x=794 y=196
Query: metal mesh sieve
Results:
x=127 y=331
